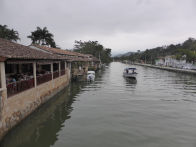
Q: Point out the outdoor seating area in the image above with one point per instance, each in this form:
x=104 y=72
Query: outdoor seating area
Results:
x=19 y=77
x=19 y=86
x=43 y=73
x=42 y=78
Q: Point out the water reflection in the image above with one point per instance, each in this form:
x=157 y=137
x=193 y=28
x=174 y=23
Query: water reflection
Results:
x=130 y=83
x=42 y=127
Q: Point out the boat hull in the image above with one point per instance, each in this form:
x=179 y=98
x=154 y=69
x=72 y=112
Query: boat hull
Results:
x=90 y=77
x=129 y=75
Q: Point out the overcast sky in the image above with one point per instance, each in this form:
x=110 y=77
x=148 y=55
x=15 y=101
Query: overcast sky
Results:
x=122 y=25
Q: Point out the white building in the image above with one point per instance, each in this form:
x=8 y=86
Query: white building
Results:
x=172 y=62
x=160 y=62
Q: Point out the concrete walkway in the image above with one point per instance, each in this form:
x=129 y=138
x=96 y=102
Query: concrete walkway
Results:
x=169 y=68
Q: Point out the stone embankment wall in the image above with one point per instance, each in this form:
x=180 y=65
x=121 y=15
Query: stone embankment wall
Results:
x=168 y=68
x=15 y=108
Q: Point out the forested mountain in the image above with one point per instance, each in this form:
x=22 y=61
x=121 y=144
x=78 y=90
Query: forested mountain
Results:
x=187 y=48
x=125 y=54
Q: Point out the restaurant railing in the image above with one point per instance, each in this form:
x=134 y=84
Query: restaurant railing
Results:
x=19 y=86
x=55 y=74
x=44 y=78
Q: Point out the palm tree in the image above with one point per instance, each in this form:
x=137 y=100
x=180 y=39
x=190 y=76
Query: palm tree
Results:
x=9 y=34
x=42 y=37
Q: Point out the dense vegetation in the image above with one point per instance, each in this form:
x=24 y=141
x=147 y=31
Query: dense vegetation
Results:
x=94 y=48
x=185 y=50
x=42 y=37
x=9 y=34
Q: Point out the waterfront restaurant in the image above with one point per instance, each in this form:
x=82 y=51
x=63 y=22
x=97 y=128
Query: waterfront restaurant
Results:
x=28 y=78
x=80 y=63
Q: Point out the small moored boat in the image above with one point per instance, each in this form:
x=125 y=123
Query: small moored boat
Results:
x=90 y=76
x=130 y=73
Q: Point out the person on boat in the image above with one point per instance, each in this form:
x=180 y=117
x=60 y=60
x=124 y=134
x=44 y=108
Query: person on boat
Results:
x=133 y=72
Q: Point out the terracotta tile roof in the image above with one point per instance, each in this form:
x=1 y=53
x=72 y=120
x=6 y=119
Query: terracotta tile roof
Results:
x=60 y=51
x=77 y=56
x=92 y=58
x=10 y=49
x=79 y=59
x=89 y=55
x=73 y=56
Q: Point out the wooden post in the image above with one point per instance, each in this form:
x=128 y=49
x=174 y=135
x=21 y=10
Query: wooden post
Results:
x=70 y=75
x=51 y=68
x=20 y=68
x=69 y=70
x=3 y=90
x=59 y=69
x=3 y=78
x=35 y=74
x=65 y=65
x=70 y=66
x=52 y=72
x=86 y=67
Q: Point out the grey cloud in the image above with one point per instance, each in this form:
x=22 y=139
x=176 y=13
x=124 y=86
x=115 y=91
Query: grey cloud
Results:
x=122 y=25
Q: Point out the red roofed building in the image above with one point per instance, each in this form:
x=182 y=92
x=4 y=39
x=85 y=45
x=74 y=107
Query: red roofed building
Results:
x=28 y=78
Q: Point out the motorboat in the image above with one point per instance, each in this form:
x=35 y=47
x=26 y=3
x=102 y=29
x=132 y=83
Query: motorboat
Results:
x=90 y=76
x=130 y=73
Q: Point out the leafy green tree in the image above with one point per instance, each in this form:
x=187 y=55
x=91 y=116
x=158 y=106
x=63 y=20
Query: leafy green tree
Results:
x=42 y=37
x=9 y=34
x=190 y=55
x=94 y=48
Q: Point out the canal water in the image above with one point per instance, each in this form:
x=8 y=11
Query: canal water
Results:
x=157 y=110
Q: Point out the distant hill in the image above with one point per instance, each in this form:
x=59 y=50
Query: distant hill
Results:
x=187 y=48
x=125 y=54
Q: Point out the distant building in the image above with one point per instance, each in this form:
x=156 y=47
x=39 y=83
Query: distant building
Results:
x=160 y=61
x=193 y=66
x=171 y=61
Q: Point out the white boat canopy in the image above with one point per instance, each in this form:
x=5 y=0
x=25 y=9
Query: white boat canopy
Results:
x=91 y=72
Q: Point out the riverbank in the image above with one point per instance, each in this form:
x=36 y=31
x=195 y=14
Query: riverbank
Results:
x=168 y=68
